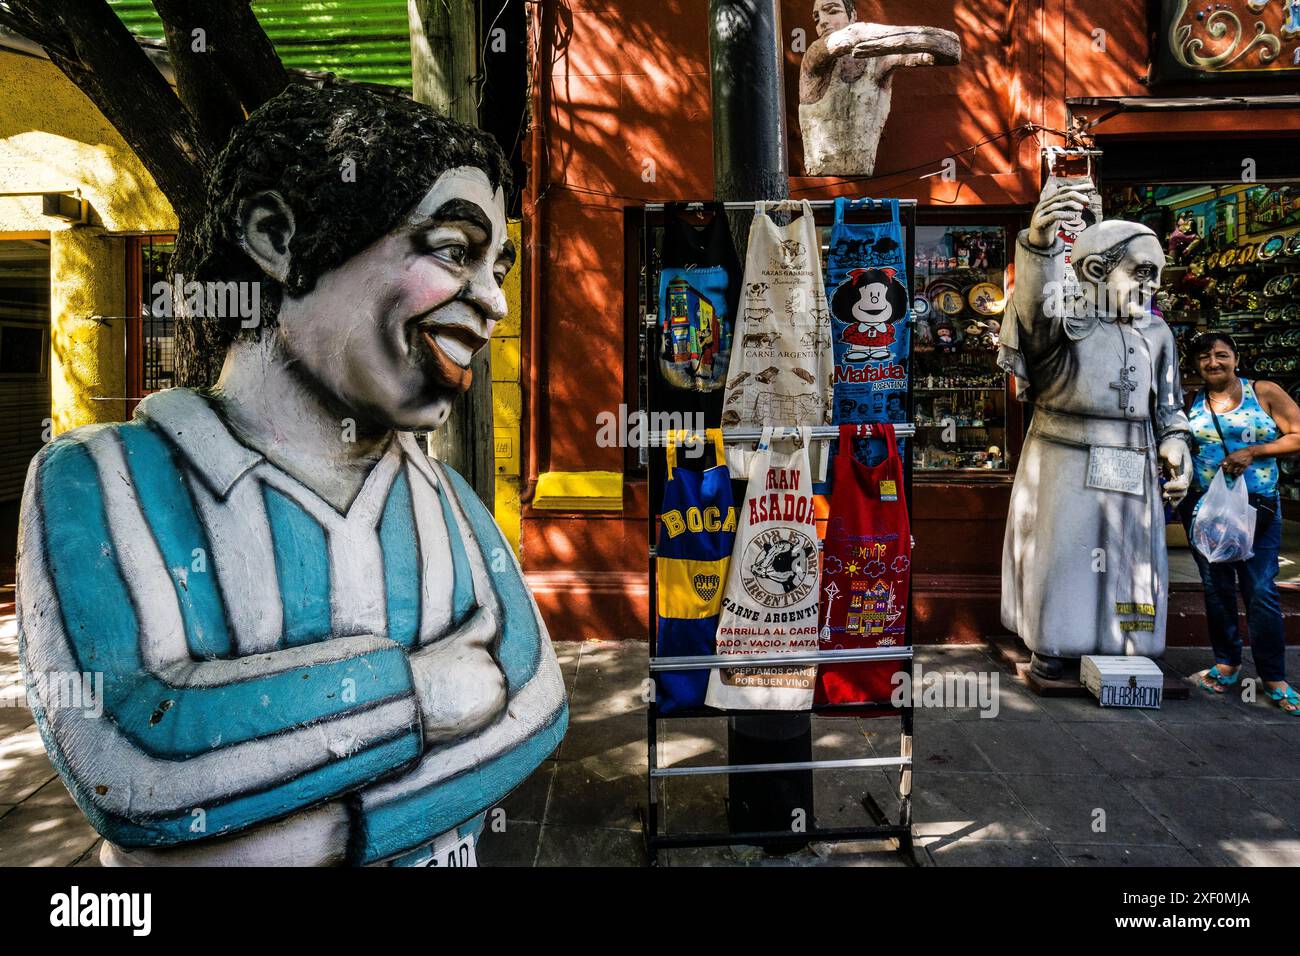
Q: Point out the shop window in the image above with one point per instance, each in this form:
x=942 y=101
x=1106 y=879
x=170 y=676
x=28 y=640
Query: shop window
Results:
x=1233 y=253
x=151 y=336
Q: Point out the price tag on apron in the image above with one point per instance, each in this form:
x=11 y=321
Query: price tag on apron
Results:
x=1117 y=469
x=450 y=851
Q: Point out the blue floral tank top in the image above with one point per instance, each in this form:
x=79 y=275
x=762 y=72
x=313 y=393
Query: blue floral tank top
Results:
x=1247 y=424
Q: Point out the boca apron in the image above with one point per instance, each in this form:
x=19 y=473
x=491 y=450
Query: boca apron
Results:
x=770 y=602
x=781 y=365
x=866 y=279
x=697 y=528
x=698 y=282
x=866 y=571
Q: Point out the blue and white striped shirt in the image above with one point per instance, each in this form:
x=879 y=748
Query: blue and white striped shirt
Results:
x=256 y=643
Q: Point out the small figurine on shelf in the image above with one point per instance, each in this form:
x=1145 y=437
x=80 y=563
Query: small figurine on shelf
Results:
x=945 y=334
x=980 y=253
x=922 y=334
x=1184 y=241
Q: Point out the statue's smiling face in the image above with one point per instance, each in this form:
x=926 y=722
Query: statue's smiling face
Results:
x=391 y=332
x=830 y=15
x=873 y=306
x=1134 y=281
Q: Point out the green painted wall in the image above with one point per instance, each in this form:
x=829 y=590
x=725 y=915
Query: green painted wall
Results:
x=362 y=40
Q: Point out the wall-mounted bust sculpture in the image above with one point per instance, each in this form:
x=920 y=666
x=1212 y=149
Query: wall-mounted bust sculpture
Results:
x=1084 y=566
x=315 y=645
x=846 y=80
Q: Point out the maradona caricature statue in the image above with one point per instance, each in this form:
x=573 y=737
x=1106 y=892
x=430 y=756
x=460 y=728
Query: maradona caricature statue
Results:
x=316 y=646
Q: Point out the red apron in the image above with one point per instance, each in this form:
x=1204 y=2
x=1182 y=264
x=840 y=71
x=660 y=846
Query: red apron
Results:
x=866 y=570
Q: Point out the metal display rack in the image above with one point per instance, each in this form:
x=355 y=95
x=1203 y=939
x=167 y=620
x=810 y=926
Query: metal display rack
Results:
x=883 y=826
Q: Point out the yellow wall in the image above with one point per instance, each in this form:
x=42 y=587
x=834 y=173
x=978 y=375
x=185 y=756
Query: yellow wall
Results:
x=507 y=401
x=52 y=139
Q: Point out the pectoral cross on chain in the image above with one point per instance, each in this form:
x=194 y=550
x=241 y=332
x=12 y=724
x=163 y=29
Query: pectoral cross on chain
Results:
x=1123 y=387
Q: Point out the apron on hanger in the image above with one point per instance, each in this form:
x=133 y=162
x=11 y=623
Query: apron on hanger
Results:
x=780 y=370
x=866 y=279
x=866 y=571
x=769 y=605
x=697 y=295
x=697 y=528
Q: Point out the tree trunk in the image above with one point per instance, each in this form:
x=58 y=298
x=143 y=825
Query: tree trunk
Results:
x=444 y=64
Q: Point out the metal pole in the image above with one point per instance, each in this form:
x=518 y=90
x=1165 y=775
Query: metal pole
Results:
x=749 y=163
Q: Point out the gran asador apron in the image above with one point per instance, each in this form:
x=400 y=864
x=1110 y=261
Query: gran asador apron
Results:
x=698 y=282
x=866 y=570
x=781 y=364
x=770 y=602
x=697 y=528
x=866 y=279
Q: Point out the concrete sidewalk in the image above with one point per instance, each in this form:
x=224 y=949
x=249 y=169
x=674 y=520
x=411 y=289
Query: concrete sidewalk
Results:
x=1047 y=782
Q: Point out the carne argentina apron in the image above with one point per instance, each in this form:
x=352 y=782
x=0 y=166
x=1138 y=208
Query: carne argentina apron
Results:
x=781 y=364
x=866 y=279
x=698 y=280
x=866 y=571
x=697 y=528
x=770 y=602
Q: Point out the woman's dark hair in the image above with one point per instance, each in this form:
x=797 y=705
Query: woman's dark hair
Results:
x=1204 y=343
x=348 y=161
x=846 y=295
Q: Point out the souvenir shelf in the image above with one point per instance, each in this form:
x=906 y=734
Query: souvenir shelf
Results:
x=960 y=394
x=641 y=224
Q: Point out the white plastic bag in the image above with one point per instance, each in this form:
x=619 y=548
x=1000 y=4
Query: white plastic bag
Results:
x=1224 y=527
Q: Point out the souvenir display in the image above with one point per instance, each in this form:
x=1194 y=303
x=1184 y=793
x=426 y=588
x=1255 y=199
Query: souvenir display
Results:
x=697 y=528
x=866 y=570
x=1271 y=247
x=697 y=294
x=769 y=605
x=958 y=392
x=870 y=331
x=781 y=368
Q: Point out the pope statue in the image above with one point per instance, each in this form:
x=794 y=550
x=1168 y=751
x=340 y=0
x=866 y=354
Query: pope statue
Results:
x=1084 y=567
x=314 y=645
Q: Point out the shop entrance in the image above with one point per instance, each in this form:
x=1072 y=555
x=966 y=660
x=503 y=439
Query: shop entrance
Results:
x=24 y=374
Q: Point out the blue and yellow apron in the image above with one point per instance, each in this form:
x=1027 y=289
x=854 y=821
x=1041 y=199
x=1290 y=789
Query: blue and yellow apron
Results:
x=697 y=528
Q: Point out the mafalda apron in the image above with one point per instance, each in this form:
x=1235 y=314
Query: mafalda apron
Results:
x=866 y=570
x=697 y=294
x=697 y=528
x=866 y=279
x=781 y=364
x=770 y=602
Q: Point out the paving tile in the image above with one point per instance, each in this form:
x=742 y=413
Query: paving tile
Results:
x=568 y=653
x=1249 y=853
x=44 y=836
x=609 y=679
x=1067 y=809
x=990 y=853
x=692 y=742
x=621 y=738
x=24 y=767
x=947 y=747
x=1029 y=747
x=527 y=802
x=1092 y=854
x=91 y=856
x=517 y=846
x=596 y=793
x=962 y=806
x=1088 y=710
x=1140 y=750
x=1242 y=749
x=590 y=846
x=13 y=719
x=838 y=796
x=1208 y=812
x=695 y=804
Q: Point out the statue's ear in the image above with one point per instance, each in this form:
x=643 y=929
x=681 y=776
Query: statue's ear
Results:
x=1093 y=268
x=265 y=228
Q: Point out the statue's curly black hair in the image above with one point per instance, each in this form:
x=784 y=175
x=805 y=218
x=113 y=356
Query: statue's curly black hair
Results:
x=299 y=144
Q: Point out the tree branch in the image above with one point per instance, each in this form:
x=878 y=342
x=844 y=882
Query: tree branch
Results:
x=88 y=42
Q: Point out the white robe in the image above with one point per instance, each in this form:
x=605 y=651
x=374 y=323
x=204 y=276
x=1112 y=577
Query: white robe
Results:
x=1085 y=570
